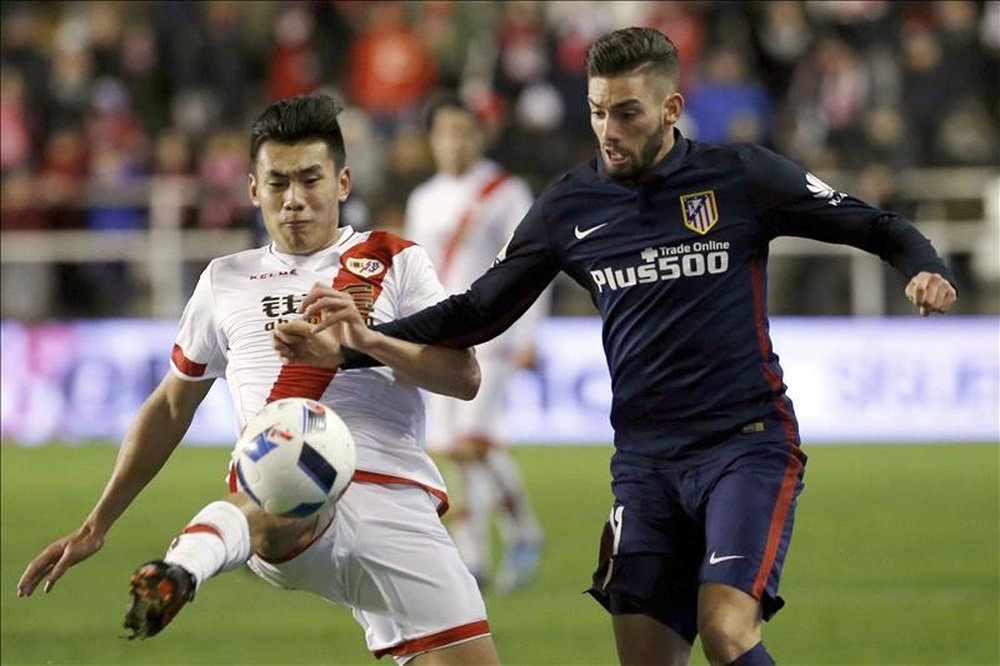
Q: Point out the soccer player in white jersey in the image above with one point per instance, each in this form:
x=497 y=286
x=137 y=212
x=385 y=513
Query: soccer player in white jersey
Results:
x=409 y=589
x=462 y=216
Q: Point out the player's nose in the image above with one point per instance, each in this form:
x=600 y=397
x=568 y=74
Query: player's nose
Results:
x=293 y=199
x=608 y=132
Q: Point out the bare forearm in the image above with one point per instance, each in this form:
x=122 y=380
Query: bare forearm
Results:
x=154 y=434
x=452 y=372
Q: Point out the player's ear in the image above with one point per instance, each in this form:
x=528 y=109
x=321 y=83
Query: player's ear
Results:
x=252 y=188
x=344 y=184
x=673 y=107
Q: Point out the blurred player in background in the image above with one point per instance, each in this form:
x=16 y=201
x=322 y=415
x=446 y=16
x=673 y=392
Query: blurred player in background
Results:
x=462 y=216
x=670 y=237
x=381 y=550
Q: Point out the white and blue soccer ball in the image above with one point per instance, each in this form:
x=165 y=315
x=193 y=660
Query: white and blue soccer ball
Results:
x=294 y=456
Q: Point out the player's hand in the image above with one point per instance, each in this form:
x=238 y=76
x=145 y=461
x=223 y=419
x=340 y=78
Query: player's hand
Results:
x=296 y=342
x=336 y=308
x=57 y=558
x=930 y=293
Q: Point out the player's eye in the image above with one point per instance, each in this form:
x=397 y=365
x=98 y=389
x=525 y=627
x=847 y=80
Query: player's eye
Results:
x=597 y=113
x=277 y=184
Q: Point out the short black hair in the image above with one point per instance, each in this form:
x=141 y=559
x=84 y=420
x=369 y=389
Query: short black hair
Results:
x=633 y=50
x=445 y=99
x=301 y=119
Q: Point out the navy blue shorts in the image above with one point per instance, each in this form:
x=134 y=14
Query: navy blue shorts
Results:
x=723 y=516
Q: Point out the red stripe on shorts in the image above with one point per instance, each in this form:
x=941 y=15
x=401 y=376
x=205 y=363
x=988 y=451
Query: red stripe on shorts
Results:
x=436 y=641
x=201 y=528
x=362 y=476
x=778 y=518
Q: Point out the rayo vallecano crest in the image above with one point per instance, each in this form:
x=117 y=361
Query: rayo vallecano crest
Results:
x=365 y=267
x=699 y=210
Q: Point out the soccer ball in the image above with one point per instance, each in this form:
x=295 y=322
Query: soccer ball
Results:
x=294 y=456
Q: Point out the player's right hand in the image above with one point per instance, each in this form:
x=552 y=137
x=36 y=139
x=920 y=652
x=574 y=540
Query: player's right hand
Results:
x=296 y=342
x=57 y=558
x=330 y=307
x=931 y=293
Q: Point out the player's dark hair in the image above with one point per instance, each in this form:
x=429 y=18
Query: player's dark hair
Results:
x=445 y=99
x=301 y=119
x=633 y=50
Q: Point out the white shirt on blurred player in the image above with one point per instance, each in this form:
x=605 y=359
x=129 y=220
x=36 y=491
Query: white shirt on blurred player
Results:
x=226 y=331
x=463 y=222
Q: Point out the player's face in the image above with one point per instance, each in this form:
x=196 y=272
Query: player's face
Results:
x=298 y=190
x=456 y=140
x=632 y=116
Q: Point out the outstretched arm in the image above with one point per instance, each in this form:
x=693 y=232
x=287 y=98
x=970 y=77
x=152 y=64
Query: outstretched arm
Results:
x=155 y=432
x=793 y=202
x=523 y=268
x=452 y=372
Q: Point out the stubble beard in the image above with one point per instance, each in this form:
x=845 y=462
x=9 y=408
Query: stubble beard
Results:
x=646 y=158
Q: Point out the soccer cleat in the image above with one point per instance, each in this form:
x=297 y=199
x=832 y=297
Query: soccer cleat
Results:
x=158 y=591
x=519 y=566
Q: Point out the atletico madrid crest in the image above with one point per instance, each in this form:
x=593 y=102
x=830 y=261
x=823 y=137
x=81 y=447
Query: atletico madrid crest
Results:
x=699 y=210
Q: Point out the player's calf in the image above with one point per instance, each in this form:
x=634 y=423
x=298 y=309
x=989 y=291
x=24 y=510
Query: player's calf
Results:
x=157 y=592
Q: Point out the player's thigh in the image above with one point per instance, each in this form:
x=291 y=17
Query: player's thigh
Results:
x=480 y=651
x=749 y=517
x=387 y=557
x=651 y=552
x=412 y=592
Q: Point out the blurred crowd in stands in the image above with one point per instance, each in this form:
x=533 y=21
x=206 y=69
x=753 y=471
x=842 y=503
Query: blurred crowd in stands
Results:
x=99 y=97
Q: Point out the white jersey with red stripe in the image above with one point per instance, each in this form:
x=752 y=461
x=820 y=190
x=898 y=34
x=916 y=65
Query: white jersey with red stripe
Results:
x=463 y=222
x=225 y=331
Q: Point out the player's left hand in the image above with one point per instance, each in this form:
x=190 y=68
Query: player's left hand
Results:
x=930 y=293
x=296 y=342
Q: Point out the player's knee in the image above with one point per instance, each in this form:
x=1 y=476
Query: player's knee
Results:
x=274 y=537
x=726 y=635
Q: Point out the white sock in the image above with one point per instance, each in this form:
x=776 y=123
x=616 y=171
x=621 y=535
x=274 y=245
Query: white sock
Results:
x=216 y=540
x=516 y=518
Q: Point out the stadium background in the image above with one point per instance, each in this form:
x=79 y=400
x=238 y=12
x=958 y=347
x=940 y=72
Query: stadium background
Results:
x=123 y=153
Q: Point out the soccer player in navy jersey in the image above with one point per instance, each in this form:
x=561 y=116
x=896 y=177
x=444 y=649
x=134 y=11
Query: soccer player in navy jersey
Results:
x=670 y=236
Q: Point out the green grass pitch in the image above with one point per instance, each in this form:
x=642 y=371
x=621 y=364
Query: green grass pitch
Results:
x=894 y=561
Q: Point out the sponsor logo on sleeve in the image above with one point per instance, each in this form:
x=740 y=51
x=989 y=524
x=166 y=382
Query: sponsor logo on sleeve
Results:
x=821 y=190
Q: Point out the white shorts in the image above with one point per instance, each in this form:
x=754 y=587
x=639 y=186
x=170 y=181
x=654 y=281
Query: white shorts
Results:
x=450 y=418
x=388 y=558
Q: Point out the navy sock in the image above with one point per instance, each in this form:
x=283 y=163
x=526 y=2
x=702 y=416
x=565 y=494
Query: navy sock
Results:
x=755 y=656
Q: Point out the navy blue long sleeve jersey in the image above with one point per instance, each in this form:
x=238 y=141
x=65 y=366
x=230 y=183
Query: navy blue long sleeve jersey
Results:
x=675 y=263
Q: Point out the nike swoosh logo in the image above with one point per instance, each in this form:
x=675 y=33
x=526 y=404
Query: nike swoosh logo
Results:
x=714 y=559
x=583 y=233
